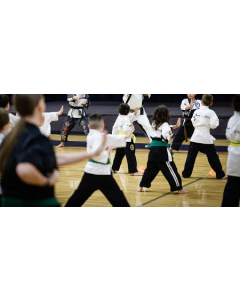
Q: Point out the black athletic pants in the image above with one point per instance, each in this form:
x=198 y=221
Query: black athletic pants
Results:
x=231 y=195
x=129 y=151
x=169 y=171
x=213 y=158
x=70 y=123
x=91 y=183
x=179 y=138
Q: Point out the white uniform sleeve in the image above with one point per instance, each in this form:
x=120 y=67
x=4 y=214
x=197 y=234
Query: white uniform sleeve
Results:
x=132 y=117
x=166 y=131
x=214 y=121
x=13 y=119
x=125 y=97
x=116 y=141
x=183 y=105
x=233 y=131
x=50 y=117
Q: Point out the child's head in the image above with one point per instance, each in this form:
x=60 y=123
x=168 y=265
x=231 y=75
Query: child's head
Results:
x=96 y=122
x=4 y=102
x=4 y=121
x=124 y=109
x=161 y=115
x=236 y=103
x=191 y=96
x=207 y=100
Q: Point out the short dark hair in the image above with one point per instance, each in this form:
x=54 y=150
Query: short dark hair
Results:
x=4 y=100
x=236 y=103
x=207 y=99
x=124 y=109
x=4 y=118
x=95 y=121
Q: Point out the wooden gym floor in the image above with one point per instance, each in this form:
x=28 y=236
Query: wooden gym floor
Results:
x=204 y=189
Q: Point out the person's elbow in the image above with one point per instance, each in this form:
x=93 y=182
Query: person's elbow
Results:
x=23 y=170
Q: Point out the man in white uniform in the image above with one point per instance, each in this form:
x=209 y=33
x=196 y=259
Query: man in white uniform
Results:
x=203 y=120
x=232 y=191
x=76 y=115
x=137 y=101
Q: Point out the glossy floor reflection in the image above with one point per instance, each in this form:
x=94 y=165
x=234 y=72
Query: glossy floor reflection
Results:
x=204 y=189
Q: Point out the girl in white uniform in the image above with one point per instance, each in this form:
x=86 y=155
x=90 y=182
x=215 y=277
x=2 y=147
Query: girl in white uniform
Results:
x=160 y=158
x=137 y=101
x=203 y=120
x=232 y=191
x=98 y=172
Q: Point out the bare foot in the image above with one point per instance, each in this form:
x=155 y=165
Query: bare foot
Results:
x=182 y=192
x=225 y=177
x=138 y=174
x=115 y=172
x=140 y=189
x=61 y=145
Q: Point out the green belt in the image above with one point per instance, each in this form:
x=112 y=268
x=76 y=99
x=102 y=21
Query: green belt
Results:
x=158 y=144
x=96 y=162
x=13 y=202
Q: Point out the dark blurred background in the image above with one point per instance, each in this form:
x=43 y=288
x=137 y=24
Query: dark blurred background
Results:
x=154 y=98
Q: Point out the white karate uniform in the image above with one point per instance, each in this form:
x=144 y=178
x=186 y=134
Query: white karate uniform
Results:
x=124 y=124
x=100 y=166
x=46 y=127
x=203 y=120
x=74 y=113
x=136 y=101
x=233 y=134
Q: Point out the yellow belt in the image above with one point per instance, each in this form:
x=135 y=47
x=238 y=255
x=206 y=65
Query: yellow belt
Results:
x=235 y=143
x=133 y=110
x=133 y=136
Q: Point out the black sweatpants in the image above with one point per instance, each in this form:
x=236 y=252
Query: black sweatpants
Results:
x=179 y=138
x=70 y=123
x=129 y=151
x=169 y=171
x=213 y=158
x=231 y=194
x=91 y=183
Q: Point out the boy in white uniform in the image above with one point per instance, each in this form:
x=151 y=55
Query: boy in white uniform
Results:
x=203 y=120
x=4 y=128
x=5 y=103
x=188 y=107
x=137 y=101
x=232 y=191
x=98 y=172
x=76 y=115
x=124 y=122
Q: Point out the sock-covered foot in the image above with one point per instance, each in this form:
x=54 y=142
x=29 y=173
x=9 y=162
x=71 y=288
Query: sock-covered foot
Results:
x=182 y=192
x=138 y=174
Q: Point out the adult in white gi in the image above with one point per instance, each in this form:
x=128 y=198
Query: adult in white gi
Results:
x=137 y=101
x=232 y=191
x=203 y=120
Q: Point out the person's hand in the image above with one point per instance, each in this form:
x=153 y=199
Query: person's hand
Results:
x=60 y=111
x=54 y=177
x=103 y=146
x=80 y=97
x=109 y=149
x=133 y=128
x=136 y=110
x=178 y=124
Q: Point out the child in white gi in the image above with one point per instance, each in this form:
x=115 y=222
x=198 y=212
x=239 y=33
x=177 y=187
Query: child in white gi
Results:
x=4 y=128
x=98 y=172
x=137 y=101
x=5 y=103
x=76 y=115
x=124 y=123
x=203 y=120
x=232 y=191
x=188 y=107
x=160 y=158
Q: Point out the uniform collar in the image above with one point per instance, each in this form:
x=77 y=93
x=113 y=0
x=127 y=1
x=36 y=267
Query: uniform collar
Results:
x=94 y=131
x=204 y=107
